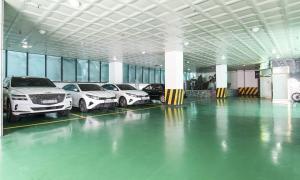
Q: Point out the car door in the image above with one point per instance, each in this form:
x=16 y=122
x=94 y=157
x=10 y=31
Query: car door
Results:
x=113 y=89
x=148 y=89
x=157 y=90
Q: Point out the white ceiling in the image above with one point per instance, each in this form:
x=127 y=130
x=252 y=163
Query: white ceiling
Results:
x=102 y=29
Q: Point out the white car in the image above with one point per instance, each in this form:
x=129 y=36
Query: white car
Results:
x=33 y=95
x=127 y=95
x=90 y=96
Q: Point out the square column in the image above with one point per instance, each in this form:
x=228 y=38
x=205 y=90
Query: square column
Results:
x=221 y=81
x=174 y=93
x=1 y=66
x=116 y=72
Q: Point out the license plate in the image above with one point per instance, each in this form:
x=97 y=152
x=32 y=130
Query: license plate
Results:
x=144 y=98
x=50 y=101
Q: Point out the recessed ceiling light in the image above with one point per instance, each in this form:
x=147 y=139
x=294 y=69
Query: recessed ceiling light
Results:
x=244 y=65
x=187 y=62
x=278 y=56
x=161 y=65
x=26 y=46
x=255 y=29
x=115 y=58
x=188 y=69
x=75 y=3
x=186 y=43
x=144 y=52
x=42 y=31
x=223 y=57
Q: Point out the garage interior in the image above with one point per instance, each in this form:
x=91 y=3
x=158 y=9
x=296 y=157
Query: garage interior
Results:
x=230 y=72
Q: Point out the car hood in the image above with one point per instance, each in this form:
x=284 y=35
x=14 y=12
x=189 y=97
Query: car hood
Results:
x=37 y=90
x=100 y=94
x=136 y=92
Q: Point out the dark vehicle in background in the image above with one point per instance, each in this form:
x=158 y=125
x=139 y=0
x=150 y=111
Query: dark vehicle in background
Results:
x=156 y=92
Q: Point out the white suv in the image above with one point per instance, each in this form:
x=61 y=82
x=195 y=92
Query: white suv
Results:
x=33 y=95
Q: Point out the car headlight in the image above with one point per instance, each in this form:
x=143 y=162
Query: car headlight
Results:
x=132 y=95
x=19 y=97
x=68 y=95
x=92 y=97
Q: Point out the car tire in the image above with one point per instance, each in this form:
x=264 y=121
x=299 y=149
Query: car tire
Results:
x=122 y=102
x=82 y=106
x=64 y=113
x=10 y=116
x=162 y=99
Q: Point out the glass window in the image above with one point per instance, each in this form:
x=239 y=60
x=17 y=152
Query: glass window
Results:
x=54 y=68
x=151 y=75
x=157 y=75
x=82 y=70
x=145 y=75
x=4 y=61
x=131 y=74
x=36 y=65
x=16 y=63
x=139 y=74
x=69 y=70
x=95 y=71
x=125 y=73
x=162 y=77
x=104 y=72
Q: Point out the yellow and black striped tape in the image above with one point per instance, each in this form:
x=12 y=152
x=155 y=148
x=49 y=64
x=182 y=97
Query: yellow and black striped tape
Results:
x=174 y=96
x=221 y=92
x=248 y=91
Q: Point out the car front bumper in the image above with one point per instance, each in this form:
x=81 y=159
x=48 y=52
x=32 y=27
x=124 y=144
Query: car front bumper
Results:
x=27 y=107
x=98 y=104
x=137 y=100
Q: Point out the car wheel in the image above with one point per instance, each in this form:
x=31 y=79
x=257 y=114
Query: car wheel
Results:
x=82 y=106
x=123 y=102
x=162 y=99
x=10 y=115
x=64 y=113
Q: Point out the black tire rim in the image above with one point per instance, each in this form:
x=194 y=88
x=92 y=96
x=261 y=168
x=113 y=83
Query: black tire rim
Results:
x=82 y=106
x=123 y=102
x=296 y=97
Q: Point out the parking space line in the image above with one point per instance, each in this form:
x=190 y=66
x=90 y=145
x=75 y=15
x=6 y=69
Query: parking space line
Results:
x=78 y=115
x=79 y=118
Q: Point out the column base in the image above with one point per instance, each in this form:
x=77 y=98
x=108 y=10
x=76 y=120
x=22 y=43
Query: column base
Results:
x=248 y=91
x=221 y=92
x=174 y=96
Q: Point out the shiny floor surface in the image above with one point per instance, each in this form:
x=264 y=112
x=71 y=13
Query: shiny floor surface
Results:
x=235 y=139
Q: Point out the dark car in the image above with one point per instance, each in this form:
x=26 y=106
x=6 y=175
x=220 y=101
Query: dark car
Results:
x=156 y=91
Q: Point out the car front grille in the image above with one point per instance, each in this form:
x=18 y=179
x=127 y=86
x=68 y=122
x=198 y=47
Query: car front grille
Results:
x=46 y=108
x=47 y=99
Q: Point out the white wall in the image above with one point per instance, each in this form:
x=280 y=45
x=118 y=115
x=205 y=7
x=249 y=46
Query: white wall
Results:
x=232 y=79
x=280 y=79
x=266 y=87
x=246 y=78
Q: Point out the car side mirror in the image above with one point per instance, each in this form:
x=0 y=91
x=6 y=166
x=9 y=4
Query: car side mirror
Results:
x=5 y=87
x=115 y=89
x=75 y=90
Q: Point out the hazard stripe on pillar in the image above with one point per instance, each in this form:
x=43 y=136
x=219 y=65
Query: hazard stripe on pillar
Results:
x=174 y=96
x=248 y=91
x=221 y=92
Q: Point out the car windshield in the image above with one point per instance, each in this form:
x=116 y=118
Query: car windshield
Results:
x=31 y=82
x=125 y=87
x=90 y=87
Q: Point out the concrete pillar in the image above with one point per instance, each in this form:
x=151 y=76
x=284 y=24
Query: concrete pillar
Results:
x=1 y=67
x=221 y=80
x=174 y=93
x=116 y=72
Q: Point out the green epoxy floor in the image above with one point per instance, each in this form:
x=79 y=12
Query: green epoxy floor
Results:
x=229 y=140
